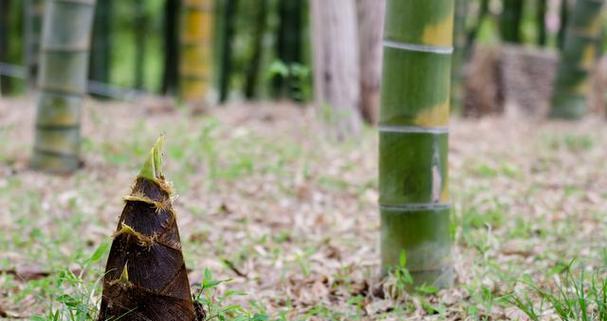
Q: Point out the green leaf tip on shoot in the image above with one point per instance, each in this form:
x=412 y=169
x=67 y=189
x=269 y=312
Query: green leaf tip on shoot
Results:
x=152 y=168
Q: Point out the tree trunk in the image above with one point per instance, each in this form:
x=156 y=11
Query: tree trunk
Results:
x=140 y=43
x=196 y=51
x=62 y=82
x=336 y=64
x=542 y=7
x=252 y=70
x=413 y=131
x=5 y=30
x=101 y=46
x=34 y=10
x=510 y=20
x=370 y=34
x=577 y=58
x=170 y=73
x=227 y=35
x=288 y=47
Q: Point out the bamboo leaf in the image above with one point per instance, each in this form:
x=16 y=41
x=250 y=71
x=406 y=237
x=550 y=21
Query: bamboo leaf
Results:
x=99 y=252
x=152 y=168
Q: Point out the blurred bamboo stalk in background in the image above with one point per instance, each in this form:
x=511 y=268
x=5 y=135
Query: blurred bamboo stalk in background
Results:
x=170 y=73
x=542 y=34
x=563 y=21
x=253 y=70
x=572 y=85
x=101 y=44
x=370 y=34
x=62 y=81
x=141 y=28
x=510 y=20
x=229 y=11
x=289 y=44
x=459 y=55
x=413 y=131
x=336 y=65
x=5 y=29
x=34 y=9
x=196 y=51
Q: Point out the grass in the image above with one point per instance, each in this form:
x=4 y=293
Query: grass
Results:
x=572 y=296
x=277 y=223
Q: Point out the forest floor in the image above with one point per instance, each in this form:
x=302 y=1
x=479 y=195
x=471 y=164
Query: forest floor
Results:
x=288 y=221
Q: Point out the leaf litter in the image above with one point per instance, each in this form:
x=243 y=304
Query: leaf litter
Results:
x=290 y=218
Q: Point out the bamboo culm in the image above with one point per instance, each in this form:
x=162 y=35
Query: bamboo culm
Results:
x=252 y=73
x=289 y=47
x=510 y=20
x=578 y=56
x=141 y=28
x=34 y=10
x=542 y=36
x=196 y=51
x=459 y=59
x=5 y=30
x=229 y=11
x=170 y=74
x=336 y=66
x=101 y=45
x=62 y=83
x=413 y=131
x=563 y=22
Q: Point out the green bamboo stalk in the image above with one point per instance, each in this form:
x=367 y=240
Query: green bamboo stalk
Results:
x=413 y=131
x=62 y=83
x=288 y=46
x=101 y=45
x=252 y=74
x=458 y=61
x=5 y=30
x=146 y=277
x=34 y=10
x=471 y=36
x=230 y=10
x=510 y=20
x=572 y=84
x=170 y=74
x=564 y=19
x=140 y=26
x=542 y=35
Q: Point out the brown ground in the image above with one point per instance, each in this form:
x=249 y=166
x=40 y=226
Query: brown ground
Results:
x=291 y=219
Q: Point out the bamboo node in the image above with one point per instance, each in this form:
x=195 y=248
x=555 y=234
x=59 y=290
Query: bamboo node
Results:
x=142 y=240
x=123 y=279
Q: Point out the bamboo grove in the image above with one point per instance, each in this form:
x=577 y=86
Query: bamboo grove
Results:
x=213 y=50
x=335 y=51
